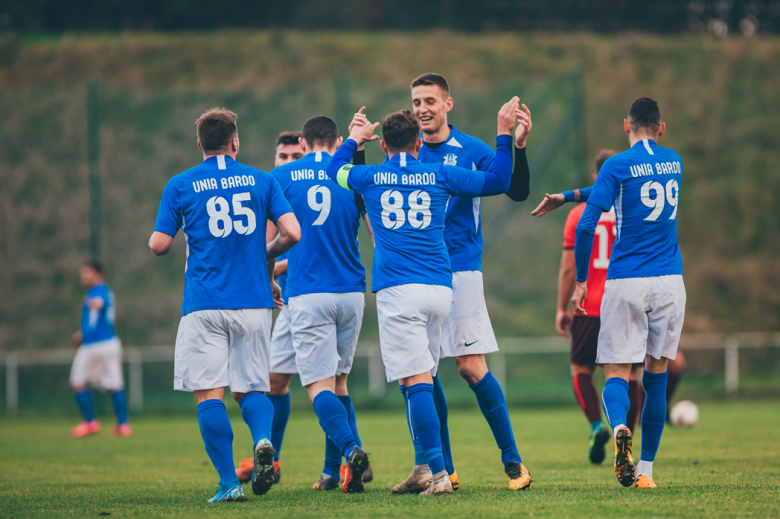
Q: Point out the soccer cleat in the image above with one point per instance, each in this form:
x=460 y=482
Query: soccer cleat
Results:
x=419 y=480
x=454 y=480
x=624 y=466
x=440 y=486
x=263 y=474
x=643 y=481
x=120 y=430
x=245 y=470
x=368 y=475
x=518 y=475
x=326 y=483
x=231 y=491
x=353 y=474
x=85 y=429
x=277 y=472
x=598 y=439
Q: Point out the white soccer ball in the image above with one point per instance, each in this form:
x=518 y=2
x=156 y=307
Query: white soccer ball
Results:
x=684 y=414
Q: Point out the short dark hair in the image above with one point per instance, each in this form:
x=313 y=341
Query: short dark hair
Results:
x=216 y=128
x=400 y=130
x=320 y=130
x=645 y=114
x=431 y=78
x=94 y=265
x=287 y=138
x=602 y=157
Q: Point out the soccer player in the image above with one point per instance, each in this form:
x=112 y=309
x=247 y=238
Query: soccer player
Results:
x=98 y=360
x=468 y=335
x=326 y=297
x=407 y=200
x=225 y=329
x=288 y=149
x=643 y=308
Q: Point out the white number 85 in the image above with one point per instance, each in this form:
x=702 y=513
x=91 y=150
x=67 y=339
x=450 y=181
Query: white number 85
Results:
x=672 y=193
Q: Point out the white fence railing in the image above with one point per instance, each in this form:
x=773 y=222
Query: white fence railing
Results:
x=137 y=356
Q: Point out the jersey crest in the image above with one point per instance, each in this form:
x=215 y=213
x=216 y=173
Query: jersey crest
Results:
x=450 y=159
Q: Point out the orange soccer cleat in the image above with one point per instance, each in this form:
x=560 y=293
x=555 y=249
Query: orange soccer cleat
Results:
x=643 y=481
x=245 y=469
x=353 y=473
x=85 y=429
x=120 y=430
x=624 y=466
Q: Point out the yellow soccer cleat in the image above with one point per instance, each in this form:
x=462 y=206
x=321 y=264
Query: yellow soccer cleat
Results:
x=624 y=466
x=518 y=476
x=454 y=480
x=643 y=481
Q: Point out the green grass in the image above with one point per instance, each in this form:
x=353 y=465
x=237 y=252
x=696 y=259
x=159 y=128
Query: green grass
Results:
x=726 y=467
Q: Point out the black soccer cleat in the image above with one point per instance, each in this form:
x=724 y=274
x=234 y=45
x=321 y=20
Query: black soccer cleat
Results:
x=263 y=474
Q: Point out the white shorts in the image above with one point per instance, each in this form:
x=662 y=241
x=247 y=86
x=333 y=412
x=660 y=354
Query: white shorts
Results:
x=218 y=348
x=98 y=364
x=325 y=329
x=411 y=321
x=282 y=351
x=468 y=330
x=641 y=316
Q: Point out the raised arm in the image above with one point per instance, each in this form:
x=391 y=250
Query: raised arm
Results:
x=583 y=246
x=520 y=186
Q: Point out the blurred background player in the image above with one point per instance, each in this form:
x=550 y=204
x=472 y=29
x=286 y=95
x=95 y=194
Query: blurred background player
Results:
x=225 y=329
x=98 y=360
x=326 y=298
x=288 y=149
x=585 y=328
x=411 y=274
x=643 y=309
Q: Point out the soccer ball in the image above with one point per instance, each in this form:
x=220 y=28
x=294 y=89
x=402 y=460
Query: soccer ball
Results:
x=684 y=414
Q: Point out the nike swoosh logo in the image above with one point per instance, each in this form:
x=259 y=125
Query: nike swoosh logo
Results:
x=467 y=344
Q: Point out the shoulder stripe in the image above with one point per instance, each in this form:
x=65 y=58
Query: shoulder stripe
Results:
x=647 y=147
x=343 y=175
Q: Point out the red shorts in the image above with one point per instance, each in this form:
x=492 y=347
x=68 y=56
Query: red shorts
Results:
x=585 y=340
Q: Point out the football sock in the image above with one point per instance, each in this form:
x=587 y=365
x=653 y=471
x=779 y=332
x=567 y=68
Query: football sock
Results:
x=614 y=397
x=419 y=455
x=332 y=459
x=646 y=468
x=440 y=401
x=654 y=413
x=84 y=401
x=425 y=424
x=119 y=401
x=671 y=386
x=493 y=406
x=633 y=412
x=258 y=413
x=586 y=395
x=333 y=420
x=218 y=437
x=347 y=402
x=281 y=405
x=595 y=426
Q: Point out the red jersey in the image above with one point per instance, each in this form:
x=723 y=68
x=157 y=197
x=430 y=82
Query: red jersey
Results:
x=599 y=259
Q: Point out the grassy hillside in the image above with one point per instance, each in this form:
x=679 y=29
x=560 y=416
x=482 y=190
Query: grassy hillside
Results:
x=720 y=100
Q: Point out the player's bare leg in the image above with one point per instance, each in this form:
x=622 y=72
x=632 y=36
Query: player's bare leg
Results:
x=492 y=403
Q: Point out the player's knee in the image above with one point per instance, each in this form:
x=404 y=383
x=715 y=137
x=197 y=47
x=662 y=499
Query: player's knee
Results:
x=280 y=384
x=472 y=368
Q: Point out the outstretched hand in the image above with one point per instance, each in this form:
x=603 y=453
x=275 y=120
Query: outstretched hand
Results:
x=550 y=203
x=507 y=116
x=524 y=126
x=361 y=130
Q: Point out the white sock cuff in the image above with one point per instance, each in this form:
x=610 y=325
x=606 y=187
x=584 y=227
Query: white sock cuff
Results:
x=616 y=428
x=646 y=468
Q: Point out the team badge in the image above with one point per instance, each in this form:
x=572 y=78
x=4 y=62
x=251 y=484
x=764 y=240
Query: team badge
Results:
x=450 y=159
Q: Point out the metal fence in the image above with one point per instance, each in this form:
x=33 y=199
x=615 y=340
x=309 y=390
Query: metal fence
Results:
x=136 y=357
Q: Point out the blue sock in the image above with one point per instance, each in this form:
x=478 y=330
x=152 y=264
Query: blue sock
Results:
x=653 y=414
x=258 y=413
x=84 y=401
x=218 y=437
x=419 y=455
x=425 y=424
x=281 y=405
x=614 y=399
x=119 y=400
x=441 y=409
x=332 y=459
x=333 y=420
x=347 y=402
x=493 y=406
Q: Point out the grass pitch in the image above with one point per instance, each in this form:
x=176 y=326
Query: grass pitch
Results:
x=728 y=466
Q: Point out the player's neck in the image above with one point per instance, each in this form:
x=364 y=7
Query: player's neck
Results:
x=231 y=154
x=441 y=134
x=411 y=152
x=633 y=138
x=315 y=149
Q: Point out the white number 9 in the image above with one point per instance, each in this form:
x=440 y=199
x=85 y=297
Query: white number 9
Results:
x=394 y=208
x=672 y=196
x=323 y=207
x=656 y=203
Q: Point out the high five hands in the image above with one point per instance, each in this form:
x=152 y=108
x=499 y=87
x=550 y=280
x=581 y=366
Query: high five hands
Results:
x=511 y=113
x=361 y=130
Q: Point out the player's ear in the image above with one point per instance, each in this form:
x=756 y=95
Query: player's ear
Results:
x=339 y=141
x=448 y=104
x=626 y=126
x=661 y=129
x=302 y=142
x=594 y=176
x=199 y=146
x=235 y=144
x=384 y=146
x=418 y=145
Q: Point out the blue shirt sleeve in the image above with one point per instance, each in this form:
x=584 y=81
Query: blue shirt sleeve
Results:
x=461 y=181
x=277 y=203
x=345 y=174
x=583 y=239
x=169 y=213
x=605 y=190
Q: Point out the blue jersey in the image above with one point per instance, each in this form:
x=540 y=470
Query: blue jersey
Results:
x=406 y=200
x=221 y=206
x=463 y=221
x=643 y=184
x=327 y=259
x=282 y=279
x=98 y=325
